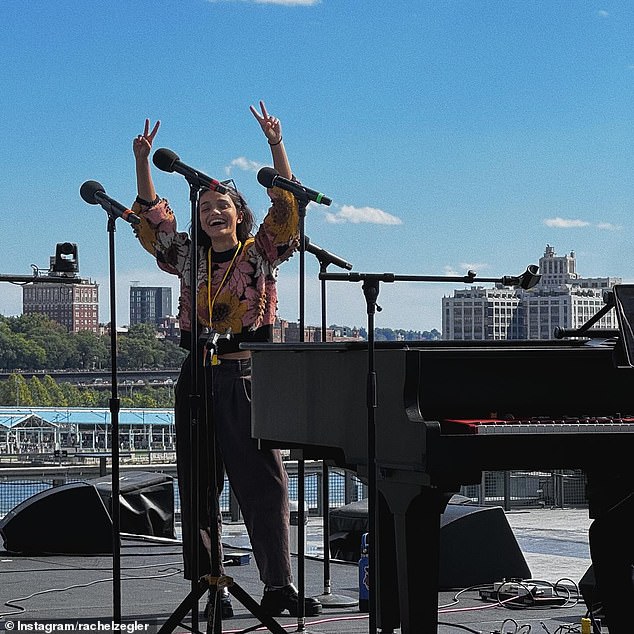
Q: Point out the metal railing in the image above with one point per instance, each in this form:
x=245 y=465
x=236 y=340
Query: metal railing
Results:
x=20 y=481
x=22 y=476
x=529 y=489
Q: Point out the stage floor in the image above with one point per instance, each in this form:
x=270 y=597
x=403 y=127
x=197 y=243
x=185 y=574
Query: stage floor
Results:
x=77 y=590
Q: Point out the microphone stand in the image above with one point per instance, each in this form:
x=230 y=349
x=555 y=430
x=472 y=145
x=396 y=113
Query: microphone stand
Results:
x=114 y=405
x=214 y=580
x=371 y=283
x=327 y=599
x=197 y=587
x=302 y=202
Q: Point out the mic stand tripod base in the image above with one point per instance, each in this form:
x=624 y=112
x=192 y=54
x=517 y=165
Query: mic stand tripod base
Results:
x=234 y=589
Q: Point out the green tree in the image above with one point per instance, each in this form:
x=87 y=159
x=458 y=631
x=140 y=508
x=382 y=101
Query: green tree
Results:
x=34 y=342
x=144 y=399
x=20 y=353
x=90 y=398
x=140 y=348
x=72 y=394
x=7 y=392
x=384 y=334
x=19 y=392
x=58 y=398
x=52 y=337
x=174 y=355
x=8 y=353
x=39 y=393
x=127 y=401
x=92 y=351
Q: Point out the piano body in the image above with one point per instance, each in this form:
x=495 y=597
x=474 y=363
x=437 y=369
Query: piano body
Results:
x=530 y=405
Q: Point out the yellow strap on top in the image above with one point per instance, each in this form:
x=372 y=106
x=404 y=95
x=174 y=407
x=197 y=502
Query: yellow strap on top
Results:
x=211 y=301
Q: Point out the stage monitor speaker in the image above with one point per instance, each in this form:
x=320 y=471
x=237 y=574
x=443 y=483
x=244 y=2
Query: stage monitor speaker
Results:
x=591 y=596
x=146 y=502
x=68 y=519
x=477 y=545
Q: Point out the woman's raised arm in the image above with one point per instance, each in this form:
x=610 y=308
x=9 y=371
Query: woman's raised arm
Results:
x=142 y=146
x=272 y=129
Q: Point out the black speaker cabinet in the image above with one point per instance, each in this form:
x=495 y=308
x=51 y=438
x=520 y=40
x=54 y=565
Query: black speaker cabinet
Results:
x=70 y=518
x=477 y=545
x=590 y=594
x=75 y=518
x=146 y=502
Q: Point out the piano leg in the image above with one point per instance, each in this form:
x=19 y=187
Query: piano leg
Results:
x=388 y=618
x=612 y=554
x=416 y=512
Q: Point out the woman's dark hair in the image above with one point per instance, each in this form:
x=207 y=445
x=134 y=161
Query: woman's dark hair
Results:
x=243 y=229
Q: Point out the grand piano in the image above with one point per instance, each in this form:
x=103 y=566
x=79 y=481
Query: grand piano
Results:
x=445 y=412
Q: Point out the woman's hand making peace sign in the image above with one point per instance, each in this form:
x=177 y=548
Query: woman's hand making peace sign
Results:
x=272 y=129
x=142 y=144
x=270 y=125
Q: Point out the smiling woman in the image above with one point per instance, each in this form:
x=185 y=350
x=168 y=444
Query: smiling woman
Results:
x=224 y=219
x=235 y=301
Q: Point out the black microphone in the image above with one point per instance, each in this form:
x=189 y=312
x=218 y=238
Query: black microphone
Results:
x=269 y=177
x=94 y=194
x=324 y=256
x=169 y=161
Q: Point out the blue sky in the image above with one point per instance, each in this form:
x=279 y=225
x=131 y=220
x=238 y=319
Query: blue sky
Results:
x=450 y=135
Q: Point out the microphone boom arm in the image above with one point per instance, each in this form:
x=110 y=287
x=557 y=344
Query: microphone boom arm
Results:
x=526 y=280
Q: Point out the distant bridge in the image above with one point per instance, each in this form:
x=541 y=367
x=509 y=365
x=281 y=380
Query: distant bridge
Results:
x=101 y=379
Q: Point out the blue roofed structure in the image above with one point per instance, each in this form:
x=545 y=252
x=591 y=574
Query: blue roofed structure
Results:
x=42 y=429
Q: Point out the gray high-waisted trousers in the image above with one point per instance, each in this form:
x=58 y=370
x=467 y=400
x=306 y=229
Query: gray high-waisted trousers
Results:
x=257 y=476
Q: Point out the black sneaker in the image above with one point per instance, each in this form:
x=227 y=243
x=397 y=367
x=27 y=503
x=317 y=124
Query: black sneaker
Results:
x=276 y=600
x=226 y=609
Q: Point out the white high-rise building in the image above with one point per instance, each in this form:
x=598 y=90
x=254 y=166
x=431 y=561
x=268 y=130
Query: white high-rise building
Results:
x=482 y=313
x=561 y=299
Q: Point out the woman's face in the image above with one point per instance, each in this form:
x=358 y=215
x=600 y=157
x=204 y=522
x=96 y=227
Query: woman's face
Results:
x=219 y=218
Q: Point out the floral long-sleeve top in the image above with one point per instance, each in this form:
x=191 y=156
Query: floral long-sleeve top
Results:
x=240 y=294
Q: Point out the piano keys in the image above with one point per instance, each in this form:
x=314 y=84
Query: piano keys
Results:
x=594 y=425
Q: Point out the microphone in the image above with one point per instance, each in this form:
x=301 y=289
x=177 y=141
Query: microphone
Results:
x=269 y=177
x=529 y=278
x=324 y=256
x=169 y=161
x=94 y=194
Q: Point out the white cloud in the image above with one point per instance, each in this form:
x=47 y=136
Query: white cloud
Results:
x=474 y=266
x=464 y=267
x=356 y=215
x=565 y=223
x=602 y=13
x=285 y=3
x=244 y=164
x=569 y=223
x=289 y=3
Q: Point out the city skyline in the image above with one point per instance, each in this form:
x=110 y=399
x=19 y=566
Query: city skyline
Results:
x=561 y=298
x=451 y=289
x=464 y=136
